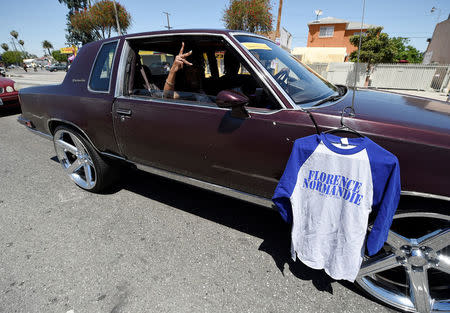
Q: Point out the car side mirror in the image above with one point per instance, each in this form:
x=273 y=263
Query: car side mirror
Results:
x=234 y=100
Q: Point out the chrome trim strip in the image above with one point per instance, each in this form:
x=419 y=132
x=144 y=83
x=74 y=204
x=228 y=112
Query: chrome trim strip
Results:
x=93 y=65
x=174 y=101
x=121 y=74
x=39 y=133
x=111 y=155
x=249 y=34
x=424 y=195
x=229 y=41
x=193 y=104
x=208 y=186
x=172 y=34
x=273 y=180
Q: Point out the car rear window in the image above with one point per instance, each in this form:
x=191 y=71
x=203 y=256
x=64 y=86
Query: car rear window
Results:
x=101 y=73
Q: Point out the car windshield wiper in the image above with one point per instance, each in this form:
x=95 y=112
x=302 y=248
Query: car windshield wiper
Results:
x=327 y=99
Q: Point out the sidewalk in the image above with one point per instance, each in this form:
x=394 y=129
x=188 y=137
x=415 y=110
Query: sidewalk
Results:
x=426 y=94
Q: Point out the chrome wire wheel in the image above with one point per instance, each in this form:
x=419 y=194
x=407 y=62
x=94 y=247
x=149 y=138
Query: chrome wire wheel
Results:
x=412 y=272
x=75 y=159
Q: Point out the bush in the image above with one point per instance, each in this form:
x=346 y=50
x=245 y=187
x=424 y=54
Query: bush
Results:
x=12 y=57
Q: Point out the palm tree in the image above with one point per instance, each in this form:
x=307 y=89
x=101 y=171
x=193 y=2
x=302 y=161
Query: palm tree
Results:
x=14 y=34
x=47 y=45
x=21 y=42
x=4 y=46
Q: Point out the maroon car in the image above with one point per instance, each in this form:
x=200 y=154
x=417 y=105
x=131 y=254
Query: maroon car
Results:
x=9 y=96
x=229 y=126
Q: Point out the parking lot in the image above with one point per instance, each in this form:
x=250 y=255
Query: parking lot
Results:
x=31 y=78
x=148 y=245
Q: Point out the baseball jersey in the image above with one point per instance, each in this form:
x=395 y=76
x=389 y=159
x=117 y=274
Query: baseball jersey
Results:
x=329 y=187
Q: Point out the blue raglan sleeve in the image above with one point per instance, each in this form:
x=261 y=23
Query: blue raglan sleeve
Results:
x=386 y=194
x=301 y=151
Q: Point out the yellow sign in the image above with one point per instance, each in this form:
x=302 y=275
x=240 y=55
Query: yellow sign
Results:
x=256 y=46
x=69 y=50
x=142 y=52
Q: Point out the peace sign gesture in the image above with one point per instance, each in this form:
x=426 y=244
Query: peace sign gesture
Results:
x=180 y=59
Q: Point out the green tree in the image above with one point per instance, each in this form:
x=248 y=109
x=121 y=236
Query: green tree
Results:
x=100 y=19
x=73 y=36
x=405 y=51
x=58 y=56
x=12 y=57
x=47 y=45
x=248 y=15
x=376 y=47
x=5 y=46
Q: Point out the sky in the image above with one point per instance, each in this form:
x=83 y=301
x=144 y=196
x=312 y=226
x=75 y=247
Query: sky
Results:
x=47 y=19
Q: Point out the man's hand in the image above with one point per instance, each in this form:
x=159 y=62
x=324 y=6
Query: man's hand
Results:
x=180 y=59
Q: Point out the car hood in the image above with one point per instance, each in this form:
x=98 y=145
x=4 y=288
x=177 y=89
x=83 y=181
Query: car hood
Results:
x=398 y=109
x=6 y=82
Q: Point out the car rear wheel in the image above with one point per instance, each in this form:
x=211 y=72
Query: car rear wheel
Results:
x=80 y=161
x=412 y=271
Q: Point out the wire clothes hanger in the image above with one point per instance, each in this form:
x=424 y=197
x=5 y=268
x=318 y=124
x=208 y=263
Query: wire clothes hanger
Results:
x=351 y=109
x=344 y=128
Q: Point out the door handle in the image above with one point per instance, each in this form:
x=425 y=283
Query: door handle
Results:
x=125 y=112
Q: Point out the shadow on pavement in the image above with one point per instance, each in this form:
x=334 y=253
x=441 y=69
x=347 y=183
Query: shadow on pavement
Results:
x=249 y=218
x=9 y=111
x=245 y=217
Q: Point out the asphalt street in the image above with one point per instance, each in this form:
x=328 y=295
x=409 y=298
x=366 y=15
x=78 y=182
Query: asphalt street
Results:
x=148 y=245
x=31 y=78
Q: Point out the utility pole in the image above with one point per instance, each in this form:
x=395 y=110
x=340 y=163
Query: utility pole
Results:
x=117 y=19
x=168 y=21
x=277 y=32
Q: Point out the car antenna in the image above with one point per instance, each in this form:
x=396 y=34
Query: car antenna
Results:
x=357 y=61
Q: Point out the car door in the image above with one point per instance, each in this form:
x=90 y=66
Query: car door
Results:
x=170 y=135
x=207 y=143
x=250 y=154
x=200 y=140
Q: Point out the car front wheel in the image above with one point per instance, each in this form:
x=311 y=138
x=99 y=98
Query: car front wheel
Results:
x=412 y=272
x=81 y=161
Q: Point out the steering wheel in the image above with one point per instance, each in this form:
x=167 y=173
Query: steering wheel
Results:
x=282 y=77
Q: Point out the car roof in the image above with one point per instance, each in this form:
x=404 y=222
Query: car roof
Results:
x=182 y=31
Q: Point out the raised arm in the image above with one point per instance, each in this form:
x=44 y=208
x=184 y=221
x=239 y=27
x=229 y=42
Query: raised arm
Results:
x=178 y=64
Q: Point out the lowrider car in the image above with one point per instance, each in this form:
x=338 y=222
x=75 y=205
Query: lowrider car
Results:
x=232 y=132
x=9 y=96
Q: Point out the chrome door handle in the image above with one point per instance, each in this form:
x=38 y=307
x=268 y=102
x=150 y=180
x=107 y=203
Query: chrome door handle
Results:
x=123 y=112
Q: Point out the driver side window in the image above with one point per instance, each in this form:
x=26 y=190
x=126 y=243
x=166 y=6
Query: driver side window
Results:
x=211 y=67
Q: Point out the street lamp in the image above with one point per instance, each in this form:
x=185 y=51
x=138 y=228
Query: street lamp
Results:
x=433 y=9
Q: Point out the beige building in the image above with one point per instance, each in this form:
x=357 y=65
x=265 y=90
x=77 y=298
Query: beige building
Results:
x=438 y=50
x=310 y=55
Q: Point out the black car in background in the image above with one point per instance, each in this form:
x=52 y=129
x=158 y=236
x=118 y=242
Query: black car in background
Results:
x=57 y=67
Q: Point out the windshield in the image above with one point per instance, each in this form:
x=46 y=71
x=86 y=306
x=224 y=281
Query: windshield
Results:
x=299 y=82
